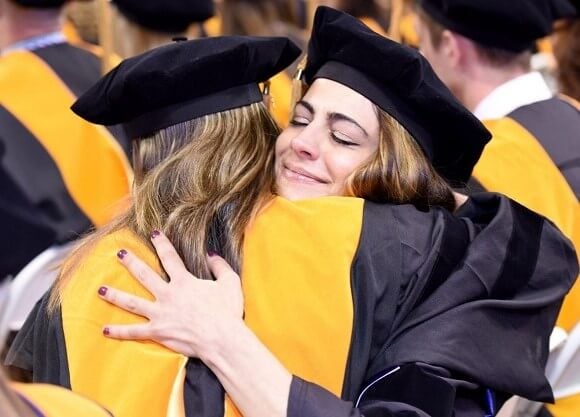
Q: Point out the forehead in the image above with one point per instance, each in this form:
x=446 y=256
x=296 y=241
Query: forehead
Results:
x=332 y=97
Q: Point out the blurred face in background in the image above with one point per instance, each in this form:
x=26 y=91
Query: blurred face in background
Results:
x=439 y=46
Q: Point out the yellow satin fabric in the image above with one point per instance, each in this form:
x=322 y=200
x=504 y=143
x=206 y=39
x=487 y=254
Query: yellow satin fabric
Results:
x=93 y=165
x=55 y=401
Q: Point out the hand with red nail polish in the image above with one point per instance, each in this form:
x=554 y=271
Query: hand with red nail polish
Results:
x=189 y=315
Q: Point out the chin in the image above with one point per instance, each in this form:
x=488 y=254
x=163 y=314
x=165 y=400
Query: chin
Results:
x=302 y=193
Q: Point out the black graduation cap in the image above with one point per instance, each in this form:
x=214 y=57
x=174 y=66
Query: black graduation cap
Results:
x=41 y=4
x=172 y=16
x=399 y=80
x=511 y=25
x=184 y=80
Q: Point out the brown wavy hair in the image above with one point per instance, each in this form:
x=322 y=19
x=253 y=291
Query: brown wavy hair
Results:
x=200 y=182
x=399 y=172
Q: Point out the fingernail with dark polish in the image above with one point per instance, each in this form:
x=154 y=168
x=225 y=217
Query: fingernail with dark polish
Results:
x=103 y=291
x=212 y=253
x=155 y=233
x=106 y=331
x=121 y=254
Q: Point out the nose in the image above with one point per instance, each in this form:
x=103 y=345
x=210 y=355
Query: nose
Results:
x=305 y=144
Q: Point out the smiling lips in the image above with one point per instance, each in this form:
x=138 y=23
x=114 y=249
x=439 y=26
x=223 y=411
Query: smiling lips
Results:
x=297 y=174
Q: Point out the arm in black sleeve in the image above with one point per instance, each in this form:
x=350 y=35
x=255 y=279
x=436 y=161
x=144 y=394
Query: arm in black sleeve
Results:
x=39 y=347
x=412 y=390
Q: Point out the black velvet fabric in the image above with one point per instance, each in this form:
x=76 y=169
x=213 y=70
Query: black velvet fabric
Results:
x=433 y=341
x=166 y=85
x=399 y=80
x=510 y=25
x=172 y=16
x=41 y=4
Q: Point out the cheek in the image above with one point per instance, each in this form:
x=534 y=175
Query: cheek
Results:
x=282 y=143
x=342 y=165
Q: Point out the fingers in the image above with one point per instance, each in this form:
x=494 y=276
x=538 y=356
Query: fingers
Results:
x=152 y=281
x=221 y=269
x=169 y=257
x=128 y=331
x=126 y=301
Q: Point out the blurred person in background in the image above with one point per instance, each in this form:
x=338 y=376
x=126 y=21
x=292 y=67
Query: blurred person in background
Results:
x=488 y=69
x=140 y=25
x=81 y=21
x=60 y=176
x=534 y=155
x=266 y=18
x=375 y=14
x=567 y=53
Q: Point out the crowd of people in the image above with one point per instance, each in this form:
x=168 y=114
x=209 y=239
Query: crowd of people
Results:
x=290 y=208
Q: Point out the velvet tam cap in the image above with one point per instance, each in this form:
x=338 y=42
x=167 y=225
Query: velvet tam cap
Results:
x=400 y=81
x=184 y=80
x=511 y=25
x=172 y=16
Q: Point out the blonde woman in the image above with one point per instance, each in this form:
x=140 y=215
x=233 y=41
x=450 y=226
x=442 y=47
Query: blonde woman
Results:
x=202 y=156
x=140 y=25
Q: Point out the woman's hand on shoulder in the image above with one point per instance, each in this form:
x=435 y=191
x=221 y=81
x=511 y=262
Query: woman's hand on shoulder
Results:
x=189 y=315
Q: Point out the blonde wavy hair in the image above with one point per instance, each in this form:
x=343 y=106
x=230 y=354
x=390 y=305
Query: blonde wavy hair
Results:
x=200 y=182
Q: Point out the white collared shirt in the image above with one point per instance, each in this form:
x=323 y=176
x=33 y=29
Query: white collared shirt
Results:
x=36 y=42
x=517 y=92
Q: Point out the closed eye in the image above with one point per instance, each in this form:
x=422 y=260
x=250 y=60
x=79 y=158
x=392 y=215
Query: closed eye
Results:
x=299 y=121
x=342 y=140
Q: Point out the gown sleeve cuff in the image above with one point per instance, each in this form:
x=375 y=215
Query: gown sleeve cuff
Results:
x=310 y=400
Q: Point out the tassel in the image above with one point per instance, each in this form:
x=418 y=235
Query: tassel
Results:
x=397 y=8
x=298 y=86
x=106 y=35
x=267 y=97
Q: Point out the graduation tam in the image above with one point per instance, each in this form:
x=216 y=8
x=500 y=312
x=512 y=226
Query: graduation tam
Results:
x=511 y=25
x=399 y=80
x=184 y=80
x=172 y=16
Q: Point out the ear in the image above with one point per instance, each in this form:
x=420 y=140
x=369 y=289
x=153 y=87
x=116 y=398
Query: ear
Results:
x=450 y=48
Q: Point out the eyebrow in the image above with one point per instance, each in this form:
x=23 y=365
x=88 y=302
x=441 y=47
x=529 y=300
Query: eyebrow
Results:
x=334 y=116
x=345 y=118
x=307 y=105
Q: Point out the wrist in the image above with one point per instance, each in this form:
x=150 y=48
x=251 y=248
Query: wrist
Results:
x=229 y=335
x=252 y=376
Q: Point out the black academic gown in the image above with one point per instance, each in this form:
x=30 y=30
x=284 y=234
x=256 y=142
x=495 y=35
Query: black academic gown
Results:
x=435 y=310
x=59 y=175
